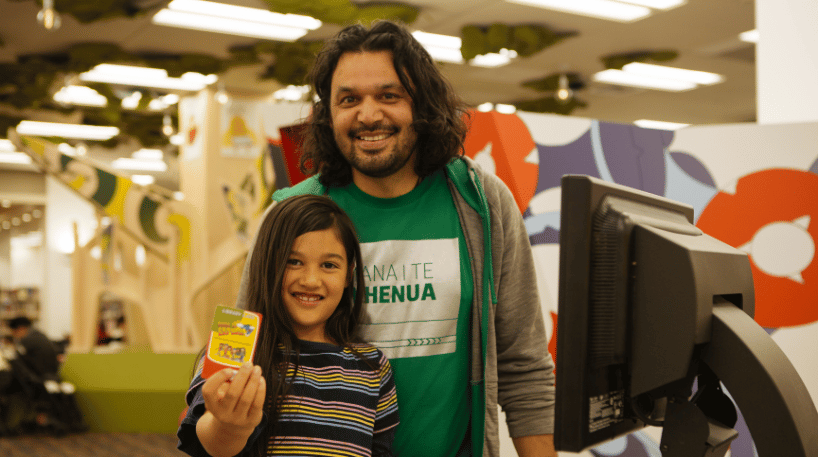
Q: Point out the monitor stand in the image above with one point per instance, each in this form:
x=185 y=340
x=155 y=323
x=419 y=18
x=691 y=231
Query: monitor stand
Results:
x=769 y=392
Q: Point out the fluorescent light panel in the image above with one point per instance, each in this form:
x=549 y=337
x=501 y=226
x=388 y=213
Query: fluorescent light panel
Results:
x=78 y=131
x=127 y=163
x=750 y=36
x=15 y=157
x=437 y=40
x=80 y=95
x=144 y=180
x=659 y=125
x=492 y=59
x=446 y=48
x=657 y=4
x=156 y=78
x=623 y=78
x=235 y=20
x=291 y=93
x=680 y=74
x=602 y=9
x=148 y=154
x=443 y=48
x=445 y=54
x=7 y=146
x=658 y=77
x=244 y=13
x=227 y=26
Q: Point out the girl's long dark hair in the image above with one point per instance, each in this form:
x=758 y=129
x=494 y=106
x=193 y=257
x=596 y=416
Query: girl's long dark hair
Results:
x=277 y=348
x=437 y=110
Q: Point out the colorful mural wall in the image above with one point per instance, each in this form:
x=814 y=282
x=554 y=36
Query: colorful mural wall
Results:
x=754 y=187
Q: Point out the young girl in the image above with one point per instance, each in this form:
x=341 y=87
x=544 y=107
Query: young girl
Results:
x=316 y=388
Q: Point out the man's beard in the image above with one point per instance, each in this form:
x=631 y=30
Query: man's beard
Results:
x=388 y=162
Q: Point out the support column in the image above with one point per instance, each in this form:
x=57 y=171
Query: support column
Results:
x=787 y=61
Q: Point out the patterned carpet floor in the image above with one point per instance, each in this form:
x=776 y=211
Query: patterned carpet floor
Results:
x=90 y=445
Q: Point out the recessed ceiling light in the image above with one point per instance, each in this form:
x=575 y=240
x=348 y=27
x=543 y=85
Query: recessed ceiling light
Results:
x=602 y=9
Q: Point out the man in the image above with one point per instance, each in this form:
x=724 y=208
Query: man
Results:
x=35 y=350
x=447 y=262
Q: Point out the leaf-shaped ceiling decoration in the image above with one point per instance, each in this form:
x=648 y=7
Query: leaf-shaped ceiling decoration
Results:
x=87 y=11
x=526 y=40
x=344 y=12
x=30 y=81
x=291 y=61
x=617 y=61
x=550 y=105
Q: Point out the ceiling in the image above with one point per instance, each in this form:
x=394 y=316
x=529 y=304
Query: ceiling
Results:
x=703 y=32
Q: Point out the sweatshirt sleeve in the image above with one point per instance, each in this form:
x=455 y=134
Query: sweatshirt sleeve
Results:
x=525 y=369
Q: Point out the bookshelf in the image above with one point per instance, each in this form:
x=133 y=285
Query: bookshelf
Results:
x=17 y=302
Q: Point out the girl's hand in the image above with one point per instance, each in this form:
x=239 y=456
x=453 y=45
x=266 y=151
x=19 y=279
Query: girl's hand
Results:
x=236 y=398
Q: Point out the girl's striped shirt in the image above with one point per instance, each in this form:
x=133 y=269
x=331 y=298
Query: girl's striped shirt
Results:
x=338 y=405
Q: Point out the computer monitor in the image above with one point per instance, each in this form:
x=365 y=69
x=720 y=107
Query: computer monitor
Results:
x=648 y=305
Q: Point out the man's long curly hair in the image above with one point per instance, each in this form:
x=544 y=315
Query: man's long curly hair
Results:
x=437 y=111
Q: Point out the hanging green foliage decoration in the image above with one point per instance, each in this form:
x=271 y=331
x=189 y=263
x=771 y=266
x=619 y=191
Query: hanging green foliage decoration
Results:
x=617 y=61
x=86 y=11
x=551 y=82
x=30 y=81
x=291 y=61
x=344 y=12
x=526 y=40
x=7 y=121
x=550 y=105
